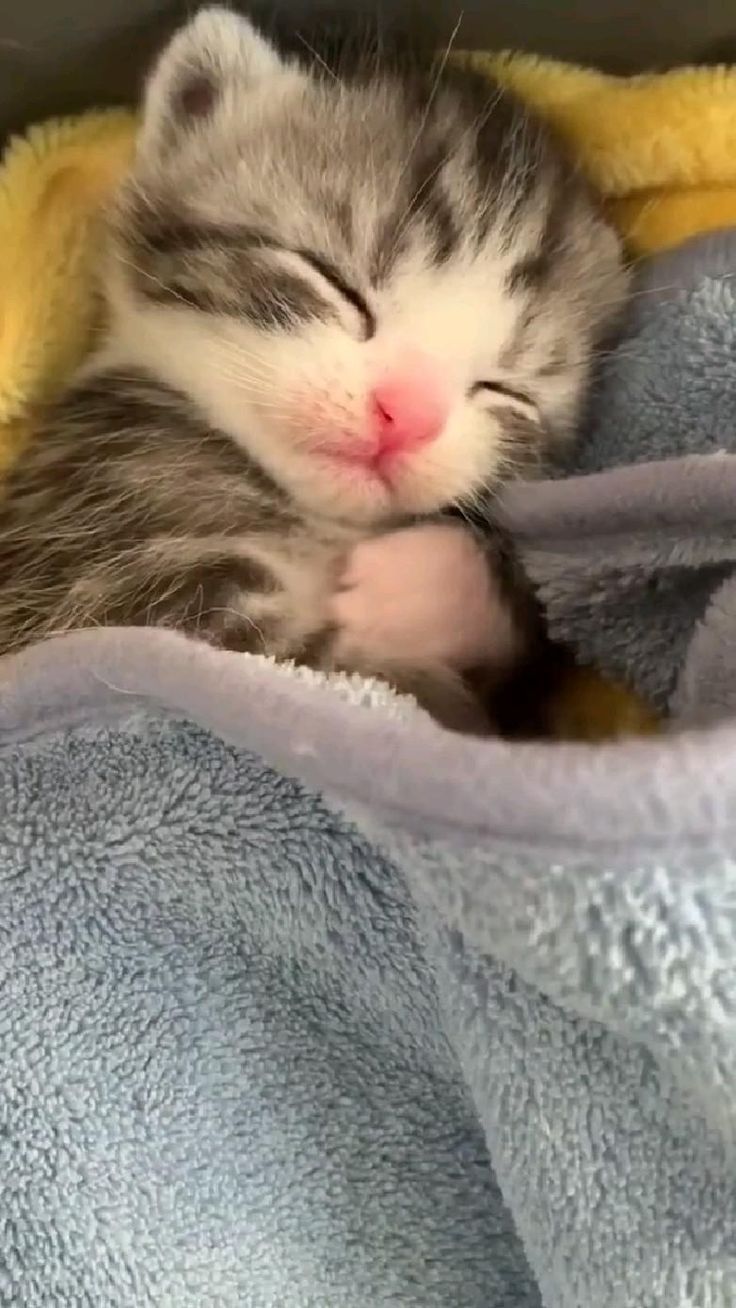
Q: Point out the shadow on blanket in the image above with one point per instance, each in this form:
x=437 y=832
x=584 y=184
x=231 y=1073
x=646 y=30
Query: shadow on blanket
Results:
x=462 y=1032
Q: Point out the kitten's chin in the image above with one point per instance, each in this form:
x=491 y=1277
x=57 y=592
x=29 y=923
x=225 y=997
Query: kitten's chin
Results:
x=352 y=492
x=347 y=493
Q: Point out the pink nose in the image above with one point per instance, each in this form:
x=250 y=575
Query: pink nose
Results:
x=407 y=410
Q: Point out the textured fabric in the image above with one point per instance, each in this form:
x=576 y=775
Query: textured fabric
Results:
x=627 y=559
x=309 y=1003
x=236 y=1089
x=53 y=183
x=658 y=147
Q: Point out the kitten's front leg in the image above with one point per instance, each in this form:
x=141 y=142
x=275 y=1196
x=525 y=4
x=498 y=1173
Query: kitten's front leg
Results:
x=424 y=596
x=449 y=615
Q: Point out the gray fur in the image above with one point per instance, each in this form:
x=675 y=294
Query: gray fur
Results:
x=128 y=511
x=131 y=506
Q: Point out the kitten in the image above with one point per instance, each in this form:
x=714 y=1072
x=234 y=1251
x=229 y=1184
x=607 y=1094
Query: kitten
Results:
x=340 y=299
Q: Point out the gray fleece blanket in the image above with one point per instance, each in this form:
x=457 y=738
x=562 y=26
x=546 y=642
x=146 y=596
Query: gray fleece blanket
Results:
x=309 y=1004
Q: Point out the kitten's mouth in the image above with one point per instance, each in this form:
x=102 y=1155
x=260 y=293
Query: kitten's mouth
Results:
x=377 y=473
x=384 y=482
x=373 y=467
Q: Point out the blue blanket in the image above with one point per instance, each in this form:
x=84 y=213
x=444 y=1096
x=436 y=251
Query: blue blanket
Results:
x=309 y=1004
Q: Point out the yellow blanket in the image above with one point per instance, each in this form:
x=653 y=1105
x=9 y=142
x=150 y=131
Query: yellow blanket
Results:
x=661 y=149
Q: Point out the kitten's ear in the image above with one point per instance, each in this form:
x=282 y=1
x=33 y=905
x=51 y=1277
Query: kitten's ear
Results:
x=216 y=49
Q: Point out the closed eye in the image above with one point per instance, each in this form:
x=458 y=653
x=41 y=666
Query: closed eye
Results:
x=500 y=388
x=348 y=293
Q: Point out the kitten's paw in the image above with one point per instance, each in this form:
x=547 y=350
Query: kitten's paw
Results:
x=422 y=595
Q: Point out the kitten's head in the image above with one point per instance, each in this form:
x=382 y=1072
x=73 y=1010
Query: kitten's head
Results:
x=382 y=281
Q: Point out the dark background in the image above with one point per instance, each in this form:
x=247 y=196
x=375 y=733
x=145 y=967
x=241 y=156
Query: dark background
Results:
x=62 y=55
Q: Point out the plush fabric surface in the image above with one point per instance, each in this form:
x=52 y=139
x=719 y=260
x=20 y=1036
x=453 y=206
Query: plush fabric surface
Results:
x=310 y=1003
x=629 y=560
x=657 y=146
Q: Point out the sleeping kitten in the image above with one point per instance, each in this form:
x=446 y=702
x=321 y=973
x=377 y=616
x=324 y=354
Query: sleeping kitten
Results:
x=340 y=299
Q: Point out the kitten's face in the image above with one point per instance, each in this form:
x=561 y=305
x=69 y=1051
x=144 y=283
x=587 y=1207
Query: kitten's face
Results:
x=386 y=289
